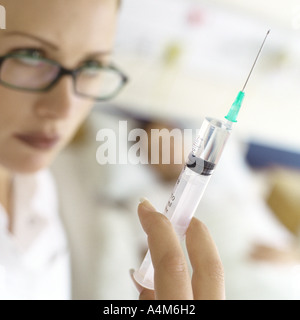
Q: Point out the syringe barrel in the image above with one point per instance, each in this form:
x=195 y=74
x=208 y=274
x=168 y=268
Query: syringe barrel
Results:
x=190 y=186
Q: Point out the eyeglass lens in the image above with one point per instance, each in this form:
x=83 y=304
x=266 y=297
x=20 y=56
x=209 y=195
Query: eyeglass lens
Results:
x=29 y=73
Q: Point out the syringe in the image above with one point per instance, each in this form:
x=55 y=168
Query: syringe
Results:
x=195 y=176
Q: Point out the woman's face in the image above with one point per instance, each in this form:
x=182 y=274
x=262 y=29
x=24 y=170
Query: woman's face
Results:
x=34 y=127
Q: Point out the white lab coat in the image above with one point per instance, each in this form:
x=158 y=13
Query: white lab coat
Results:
x=34 y=258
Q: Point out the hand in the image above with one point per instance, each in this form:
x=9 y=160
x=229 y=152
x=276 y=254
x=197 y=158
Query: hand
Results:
x=289 y=255
x=171 y=277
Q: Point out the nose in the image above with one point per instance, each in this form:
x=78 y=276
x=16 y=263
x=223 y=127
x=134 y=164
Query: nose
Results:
x=59 y=102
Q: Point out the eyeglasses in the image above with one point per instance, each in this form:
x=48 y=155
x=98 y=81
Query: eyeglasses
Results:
x=29 y=72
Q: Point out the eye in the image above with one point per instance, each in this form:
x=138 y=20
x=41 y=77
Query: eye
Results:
x=30 y=57
x=91 y=67
x=30 y=52
x=92 y=63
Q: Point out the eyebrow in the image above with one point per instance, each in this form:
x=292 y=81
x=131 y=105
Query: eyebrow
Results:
x=50 y=44
x=28 y=35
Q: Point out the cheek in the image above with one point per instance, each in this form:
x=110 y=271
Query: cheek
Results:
x=14 y=110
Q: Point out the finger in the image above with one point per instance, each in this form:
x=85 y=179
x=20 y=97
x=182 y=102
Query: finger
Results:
x=144 y=294
x=208 y=274
x=147 y=294
x=171 y=277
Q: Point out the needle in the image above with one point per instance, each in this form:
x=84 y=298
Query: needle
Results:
x=259 y=52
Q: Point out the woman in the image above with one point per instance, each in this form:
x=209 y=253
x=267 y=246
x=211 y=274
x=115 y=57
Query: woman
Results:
x=55 y=62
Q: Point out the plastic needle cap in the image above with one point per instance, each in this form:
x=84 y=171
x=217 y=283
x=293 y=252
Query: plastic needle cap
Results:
x=235 y=108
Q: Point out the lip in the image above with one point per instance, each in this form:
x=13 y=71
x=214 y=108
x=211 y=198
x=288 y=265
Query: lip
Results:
x=38 y=140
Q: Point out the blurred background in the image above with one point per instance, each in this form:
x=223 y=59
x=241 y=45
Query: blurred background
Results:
x=187 y=59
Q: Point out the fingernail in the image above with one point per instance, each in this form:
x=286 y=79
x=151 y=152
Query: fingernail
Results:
x=147 y=204
x=138 y=287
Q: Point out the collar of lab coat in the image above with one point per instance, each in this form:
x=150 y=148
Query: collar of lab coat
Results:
x=32 y=205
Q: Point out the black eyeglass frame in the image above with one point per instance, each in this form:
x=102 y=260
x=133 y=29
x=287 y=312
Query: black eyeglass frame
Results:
x=65 y=72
